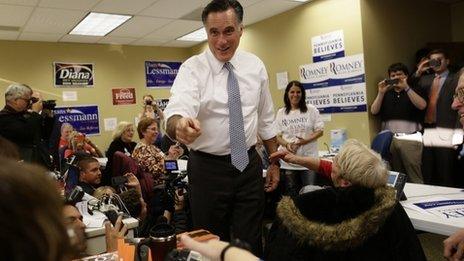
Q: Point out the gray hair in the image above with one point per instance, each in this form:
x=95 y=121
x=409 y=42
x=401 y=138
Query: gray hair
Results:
x=66 y=125
x=16 y=91
x=361 y=165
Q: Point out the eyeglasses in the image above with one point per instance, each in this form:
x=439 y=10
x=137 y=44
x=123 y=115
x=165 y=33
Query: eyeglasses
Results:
x=459 y=94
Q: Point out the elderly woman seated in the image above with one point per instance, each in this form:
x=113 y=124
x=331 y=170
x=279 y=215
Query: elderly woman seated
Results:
x=151 y=160
x=356 y=219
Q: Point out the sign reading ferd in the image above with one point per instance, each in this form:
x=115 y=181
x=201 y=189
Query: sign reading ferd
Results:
x=73 y=74
x=123 y=96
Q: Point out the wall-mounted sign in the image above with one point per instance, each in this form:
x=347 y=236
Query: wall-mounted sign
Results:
x=123 y=96
x=84 y=118
x=328 y=46
x=161 y=74
x=73 y=74
x=162 y=103
x=337 y=85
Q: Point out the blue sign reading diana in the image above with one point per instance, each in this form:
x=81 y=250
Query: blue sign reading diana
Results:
x=84 y=118
x=161 y=74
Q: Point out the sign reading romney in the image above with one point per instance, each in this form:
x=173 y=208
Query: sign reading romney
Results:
x=161 y=74
x=73 y=74
x=336 y=85
x=84 y=118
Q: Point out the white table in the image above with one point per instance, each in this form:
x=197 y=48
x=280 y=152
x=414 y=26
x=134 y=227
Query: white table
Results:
x=431 y=223
x=96 y=243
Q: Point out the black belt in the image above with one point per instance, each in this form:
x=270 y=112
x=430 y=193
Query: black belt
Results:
x=221 y=157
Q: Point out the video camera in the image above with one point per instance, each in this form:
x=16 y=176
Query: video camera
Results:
x=49 y=104
x=174 y=180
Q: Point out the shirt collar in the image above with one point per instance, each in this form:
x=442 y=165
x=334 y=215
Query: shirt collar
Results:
x=217 y=65
x=444 y=74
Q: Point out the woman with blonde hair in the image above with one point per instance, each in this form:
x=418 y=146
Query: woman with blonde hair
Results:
x=356 y=219
x=122 y=141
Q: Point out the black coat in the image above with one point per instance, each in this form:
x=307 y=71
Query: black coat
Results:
x=352 y=223
x=116 y=145
x=29 y=131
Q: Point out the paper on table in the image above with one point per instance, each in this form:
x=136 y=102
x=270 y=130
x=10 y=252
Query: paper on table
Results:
x=440 y=206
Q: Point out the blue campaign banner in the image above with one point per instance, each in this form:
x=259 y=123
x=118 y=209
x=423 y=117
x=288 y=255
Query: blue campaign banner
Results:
x=161 y=74
x=73 y=74
x=84 y=118
x=328 y=56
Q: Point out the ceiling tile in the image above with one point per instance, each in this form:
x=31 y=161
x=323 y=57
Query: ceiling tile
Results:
x=5 y=35
x=85 y=5
x=177 y=43
x=139 y=26
x=175 y=29
x=46 y=20
x=80 y=38
x=265 y=9
x=14 y=15
x=41 y=37
x=148 y=42
x=20 y=2
x=116 y=40
x=122 y=6
x=172 y=8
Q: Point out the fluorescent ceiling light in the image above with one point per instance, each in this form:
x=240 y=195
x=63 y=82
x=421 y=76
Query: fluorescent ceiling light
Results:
x=99 y=24
x=301 y=1
x=195 y=36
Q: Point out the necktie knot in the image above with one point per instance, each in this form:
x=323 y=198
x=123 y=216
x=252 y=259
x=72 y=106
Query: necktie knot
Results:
x=228 y=66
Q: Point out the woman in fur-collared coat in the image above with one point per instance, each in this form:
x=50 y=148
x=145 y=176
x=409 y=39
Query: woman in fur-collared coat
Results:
x=357 y=219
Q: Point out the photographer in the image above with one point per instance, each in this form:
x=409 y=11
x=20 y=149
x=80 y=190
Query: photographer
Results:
x=151 y=109
x=398 y=106
x=29 y=130
x=438 y=163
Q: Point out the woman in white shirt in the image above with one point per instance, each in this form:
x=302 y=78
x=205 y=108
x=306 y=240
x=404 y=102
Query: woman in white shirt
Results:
x=300 y=125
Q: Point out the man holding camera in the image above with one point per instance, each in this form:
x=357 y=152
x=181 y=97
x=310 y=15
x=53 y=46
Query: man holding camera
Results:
x=399 y=106
x=21 y=123
x=438 y=163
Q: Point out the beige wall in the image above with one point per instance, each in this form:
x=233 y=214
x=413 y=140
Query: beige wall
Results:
x=283 y=42
x=457 y=22
x=115 y=67
x=393 y=31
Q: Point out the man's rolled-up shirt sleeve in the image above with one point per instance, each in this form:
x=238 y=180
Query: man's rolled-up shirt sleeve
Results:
x=267 y=128
x=185 y=98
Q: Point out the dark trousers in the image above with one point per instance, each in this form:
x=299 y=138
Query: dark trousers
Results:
x=439 y=166
x=226 y=202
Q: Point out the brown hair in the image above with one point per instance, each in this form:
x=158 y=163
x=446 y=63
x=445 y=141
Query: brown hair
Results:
x=83 y=162
x=31 y=218
x=143 y=125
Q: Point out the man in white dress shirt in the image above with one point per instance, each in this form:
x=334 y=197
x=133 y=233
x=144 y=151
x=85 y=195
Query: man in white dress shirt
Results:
x=225 y=199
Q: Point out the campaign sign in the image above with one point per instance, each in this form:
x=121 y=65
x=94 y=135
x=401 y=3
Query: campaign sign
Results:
x=84 y=118
x=73 y=74
x=161 y=74
x=328 y=46
x=337 y=85
x=123 y=96
x=162 y=103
